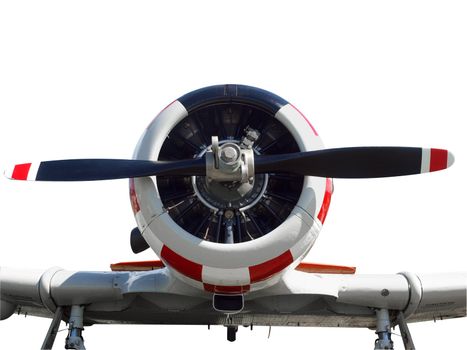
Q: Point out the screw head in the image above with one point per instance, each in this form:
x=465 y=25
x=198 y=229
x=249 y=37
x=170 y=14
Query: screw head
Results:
x=229 y=154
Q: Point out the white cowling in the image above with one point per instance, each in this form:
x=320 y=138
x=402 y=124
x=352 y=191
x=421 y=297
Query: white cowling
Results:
x=220 y=267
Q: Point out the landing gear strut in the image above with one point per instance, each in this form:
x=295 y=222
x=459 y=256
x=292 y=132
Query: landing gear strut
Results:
x=405 y=333
x=75 y=340
x=383 y=329
x=53 y=329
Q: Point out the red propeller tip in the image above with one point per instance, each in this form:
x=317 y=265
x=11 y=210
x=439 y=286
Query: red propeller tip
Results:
x=434 y=159
x=25 y=171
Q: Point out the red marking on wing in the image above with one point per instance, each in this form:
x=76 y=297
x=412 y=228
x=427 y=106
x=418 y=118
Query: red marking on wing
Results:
x=265 y=270
x=323 y=268
x=323 y=212
x=137 y=265
x=438 y=159
x=21 y=171
x=181 y=264
x=226 y=289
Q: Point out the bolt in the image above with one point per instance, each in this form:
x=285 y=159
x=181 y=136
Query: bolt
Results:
x=229 y=154
x=385 y=292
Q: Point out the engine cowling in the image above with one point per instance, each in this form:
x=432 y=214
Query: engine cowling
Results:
x=229 y=237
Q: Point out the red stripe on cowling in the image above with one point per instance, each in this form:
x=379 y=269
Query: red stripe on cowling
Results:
x=265 y=270
x=184 y=266
x=21 y=171
x=133 y=198
x=226 y=289
x=170 y=104
x=326 y=201
x=303 y=115
x=438 y=159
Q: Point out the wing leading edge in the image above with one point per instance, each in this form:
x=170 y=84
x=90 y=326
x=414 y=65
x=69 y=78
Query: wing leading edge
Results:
x=305 y=299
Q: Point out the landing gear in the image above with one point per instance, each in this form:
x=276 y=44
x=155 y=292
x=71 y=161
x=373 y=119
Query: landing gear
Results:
x=75 y=340
x=383 y=329
x=405 y=333
x=53 y=329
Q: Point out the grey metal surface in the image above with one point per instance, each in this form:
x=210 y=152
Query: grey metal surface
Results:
x=300 y=299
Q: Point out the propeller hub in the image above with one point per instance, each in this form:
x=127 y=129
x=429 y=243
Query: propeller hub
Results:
x=229 y=162
x=229 y=181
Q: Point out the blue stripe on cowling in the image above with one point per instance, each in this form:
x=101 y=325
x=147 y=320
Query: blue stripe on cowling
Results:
x=231 y=93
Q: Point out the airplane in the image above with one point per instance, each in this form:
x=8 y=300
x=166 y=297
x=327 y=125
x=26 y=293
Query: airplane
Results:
x=230 y=186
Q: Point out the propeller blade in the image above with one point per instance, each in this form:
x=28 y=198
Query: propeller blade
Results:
x=103 y=169
x=354 y=162
x=357 y=162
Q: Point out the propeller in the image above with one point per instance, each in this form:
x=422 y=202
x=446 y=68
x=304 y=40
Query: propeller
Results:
x=354 y=162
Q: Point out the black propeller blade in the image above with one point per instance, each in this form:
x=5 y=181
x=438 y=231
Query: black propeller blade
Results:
x=357 y=162
x=354 y=162
x=103 y=169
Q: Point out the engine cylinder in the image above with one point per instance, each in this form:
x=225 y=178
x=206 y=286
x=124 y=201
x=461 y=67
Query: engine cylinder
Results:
x=229 y=237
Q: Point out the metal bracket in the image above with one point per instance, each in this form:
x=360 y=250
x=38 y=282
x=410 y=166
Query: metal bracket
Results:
x=251 y=136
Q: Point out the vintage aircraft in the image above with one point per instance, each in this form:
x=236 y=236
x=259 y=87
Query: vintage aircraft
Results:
x=230 y=186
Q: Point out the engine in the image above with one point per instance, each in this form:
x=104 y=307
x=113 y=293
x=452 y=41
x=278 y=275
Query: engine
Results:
x=229 y=235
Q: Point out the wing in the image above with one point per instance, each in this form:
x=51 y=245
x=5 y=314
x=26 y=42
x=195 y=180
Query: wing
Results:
x=299 y=299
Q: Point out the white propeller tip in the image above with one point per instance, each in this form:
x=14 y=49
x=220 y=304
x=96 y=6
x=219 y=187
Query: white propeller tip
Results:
x=451 y=159
x=8 y=172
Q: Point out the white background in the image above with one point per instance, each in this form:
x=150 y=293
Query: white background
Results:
x=83 y=79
